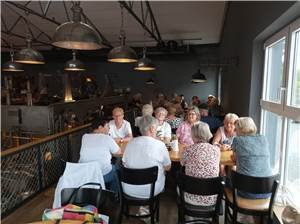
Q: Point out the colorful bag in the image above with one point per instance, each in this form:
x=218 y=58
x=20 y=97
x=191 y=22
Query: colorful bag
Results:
x=87 y=213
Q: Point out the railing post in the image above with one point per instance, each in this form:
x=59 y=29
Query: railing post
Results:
x=39 y=163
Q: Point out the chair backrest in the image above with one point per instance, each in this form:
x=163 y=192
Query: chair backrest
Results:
x=107 y=203
x=254 y=185
x=138 y=176
x=200 y=186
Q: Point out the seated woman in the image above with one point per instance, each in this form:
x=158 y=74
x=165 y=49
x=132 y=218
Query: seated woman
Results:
x=251 y=153
x=146 y=110
x=183 y=132
x=99 y=146
x=201 y=160
x=119 y=128
x=226 y=133
x=163 y=128
x=143 y=152
x=173 y=121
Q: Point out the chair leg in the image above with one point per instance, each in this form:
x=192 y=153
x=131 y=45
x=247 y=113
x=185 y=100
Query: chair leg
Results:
x=127 y=211
x=157 y=211
x=226 y=213
x=234 y=217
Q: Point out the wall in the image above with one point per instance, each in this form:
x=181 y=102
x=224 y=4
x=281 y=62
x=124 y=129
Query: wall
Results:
x=244 y=21
x=173 y=72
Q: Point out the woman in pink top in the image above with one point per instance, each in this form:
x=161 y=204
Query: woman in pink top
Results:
x=183 y=132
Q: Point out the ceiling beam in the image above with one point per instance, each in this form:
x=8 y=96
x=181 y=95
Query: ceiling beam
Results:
x=26 y=9
x=24 y=37
x=142 y=21
x=26 y=20
x=153 y=20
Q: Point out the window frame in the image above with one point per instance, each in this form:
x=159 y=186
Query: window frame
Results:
x=282 y=108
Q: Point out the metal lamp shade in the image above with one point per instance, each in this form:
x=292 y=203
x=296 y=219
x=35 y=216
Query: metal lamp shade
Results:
x=198 y=77
x=12 y=66
x=74 y=65
x=29 y=56
x=150 y=82
x=122 y=54
x=76 y=35
x=144 y=64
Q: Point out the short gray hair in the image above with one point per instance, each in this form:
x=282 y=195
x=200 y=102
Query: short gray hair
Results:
x=246 y=126
x=231 y=117
x=147 y=109
x=146 y=122
x=159 y=109
x=201 y=131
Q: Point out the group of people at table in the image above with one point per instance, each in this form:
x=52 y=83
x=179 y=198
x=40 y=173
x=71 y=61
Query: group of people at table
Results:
x=201 y=154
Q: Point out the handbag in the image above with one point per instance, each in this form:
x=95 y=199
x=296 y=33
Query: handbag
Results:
x=82 y=196
x=86 y=214
x=79 y=204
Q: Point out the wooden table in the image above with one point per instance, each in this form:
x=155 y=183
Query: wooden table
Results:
x=175 y=156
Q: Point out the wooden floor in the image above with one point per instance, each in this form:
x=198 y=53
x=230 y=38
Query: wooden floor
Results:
x=33 y=209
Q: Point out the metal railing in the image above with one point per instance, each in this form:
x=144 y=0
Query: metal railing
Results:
x=30 y=168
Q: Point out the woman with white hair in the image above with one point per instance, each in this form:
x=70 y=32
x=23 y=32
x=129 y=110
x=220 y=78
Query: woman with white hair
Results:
x=251 y=153
x=144 y=152
x=226 y=133
x=201 y=160
x=163 y=128
x=146 y=110
x=183 y=132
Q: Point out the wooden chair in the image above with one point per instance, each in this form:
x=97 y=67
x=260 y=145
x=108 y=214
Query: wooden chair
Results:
x=255 y=207
x=140 y=177
x=199 y=186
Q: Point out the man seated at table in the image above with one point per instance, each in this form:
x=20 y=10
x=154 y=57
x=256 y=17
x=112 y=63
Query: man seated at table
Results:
x=146 y=151
x=119 y=129
x=98 y=146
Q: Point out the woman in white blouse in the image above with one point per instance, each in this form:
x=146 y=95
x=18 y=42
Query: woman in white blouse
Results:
x=163 y=128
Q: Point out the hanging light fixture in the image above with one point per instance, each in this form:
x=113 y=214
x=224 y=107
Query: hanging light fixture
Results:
x=144 y=64
x=123 y=53
x=29 y=55
x=12 y=66
x=198 y=77
x=150 y=81
x=74 y=64
x=76 y=34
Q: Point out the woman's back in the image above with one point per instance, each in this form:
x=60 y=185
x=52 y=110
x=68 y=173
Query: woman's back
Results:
x=252 y=155
x=201 y=160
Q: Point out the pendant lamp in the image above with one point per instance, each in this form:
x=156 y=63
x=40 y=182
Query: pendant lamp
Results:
x=144 y=64
x=12 y=66
x=76 y=34
x=29 y=55
x=123 y=53
x=150 y=81
x=74 y=64
x=198 y=77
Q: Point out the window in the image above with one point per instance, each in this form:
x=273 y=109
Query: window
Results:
x=280 y=104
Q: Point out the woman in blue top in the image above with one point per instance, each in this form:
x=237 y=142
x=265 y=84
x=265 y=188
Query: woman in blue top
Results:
x=251 y=153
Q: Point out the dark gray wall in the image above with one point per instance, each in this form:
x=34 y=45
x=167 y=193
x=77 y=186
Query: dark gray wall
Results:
x=244 y=22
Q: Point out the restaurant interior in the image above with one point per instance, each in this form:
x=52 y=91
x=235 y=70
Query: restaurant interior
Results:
x=66 y=65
